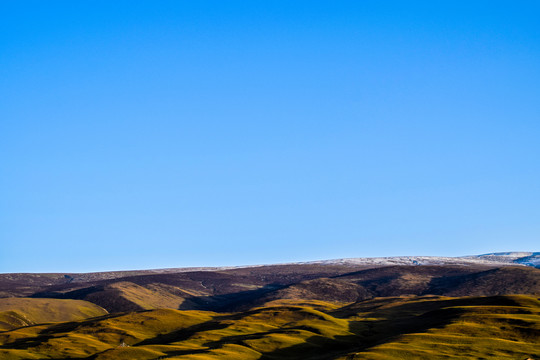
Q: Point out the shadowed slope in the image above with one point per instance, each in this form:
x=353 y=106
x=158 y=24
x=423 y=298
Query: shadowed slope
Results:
x=241 y=289
x=447 y=280
x=500 y=281
x=383 y=328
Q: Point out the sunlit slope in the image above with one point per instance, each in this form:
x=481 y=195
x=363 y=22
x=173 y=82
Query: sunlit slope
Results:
x=124 y=296
x=127 y=296
x=17 y=312
x=501 y=327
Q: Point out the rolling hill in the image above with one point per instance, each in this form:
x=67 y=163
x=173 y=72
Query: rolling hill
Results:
x=480 y=307
x=20 y=312
x=240 y=289
x=502 y=327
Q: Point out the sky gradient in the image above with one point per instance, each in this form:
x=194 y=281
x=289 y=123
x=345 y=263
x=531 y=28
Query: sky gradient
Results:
x=154 y=134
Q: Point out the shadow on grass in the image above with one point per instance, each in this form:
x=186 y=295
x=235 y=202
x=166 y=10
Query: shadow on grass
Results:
x=394 y=322
x=228 y=302
x=51 y=331
x=398 y=321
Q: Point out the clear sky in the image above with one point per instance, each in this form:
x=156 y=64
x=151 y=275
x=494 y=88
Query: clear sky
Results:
x=151 y=134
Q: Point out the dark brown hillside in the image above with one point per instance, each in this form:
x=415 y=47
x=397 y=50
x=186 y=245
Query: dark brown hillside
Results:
x=20 y=284
x=501 y=281
x=324 y=289
x=208 y=290
x=335 y=290
x=402 y=280
x=407 y=280
x=447 y=280
x=242 y=288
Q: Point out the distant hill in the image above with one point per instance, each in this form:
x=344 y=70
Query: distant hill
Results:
x=495 y=259
x=522 y=258
x=239 y=288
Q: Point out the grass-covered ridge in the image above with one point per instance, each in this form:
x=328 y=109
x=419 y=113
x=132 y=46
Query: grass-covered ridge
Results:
x=430 y=327
x=18 y=312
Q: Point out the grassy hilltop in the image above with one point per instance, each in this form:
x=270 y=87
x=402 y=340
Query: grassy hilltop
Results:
x=19 y=312
x=428 y=327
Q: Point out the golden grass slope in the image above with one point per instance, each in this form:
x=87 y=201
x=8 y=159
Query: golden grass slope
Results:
x=125 y=296
x=17 y=312
x=152 y=297
x=500 y=327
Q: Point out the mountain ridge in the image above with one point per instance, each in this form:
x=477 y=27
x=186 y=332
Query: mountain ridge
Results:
x=234 y=288
x=483 y=306
x=526 y=258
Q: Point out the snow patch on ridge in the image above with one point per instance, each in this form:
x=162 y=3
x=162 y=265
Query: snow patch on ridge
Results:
x=498 y=259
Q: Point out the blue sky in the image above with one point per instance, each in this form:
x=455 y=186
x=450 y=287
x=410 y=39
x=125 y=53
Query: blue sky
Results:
x=156 y=134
